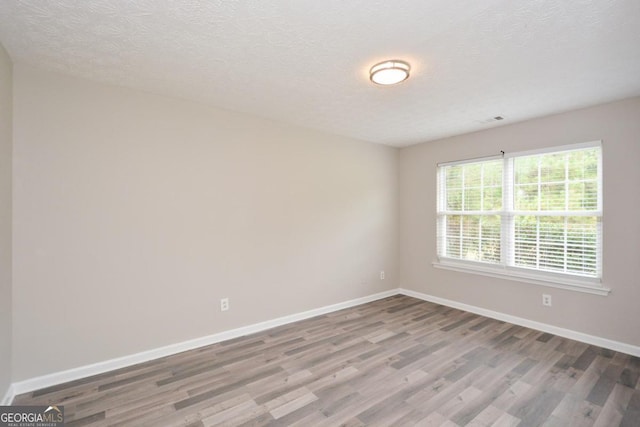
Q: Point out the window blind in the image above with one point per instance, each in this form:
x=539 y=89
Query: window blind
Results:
x=557 y=211
x=470 y=211
x=535 y=211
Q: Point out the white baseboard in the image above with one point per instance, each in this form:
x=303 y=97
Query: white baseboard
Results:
x=8 y=396
x=633 y=350
x=56 y=378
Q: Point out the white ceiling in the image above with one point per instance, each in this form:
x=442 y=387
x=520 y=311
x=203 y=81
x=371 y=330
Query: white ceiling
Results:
x=305 y=62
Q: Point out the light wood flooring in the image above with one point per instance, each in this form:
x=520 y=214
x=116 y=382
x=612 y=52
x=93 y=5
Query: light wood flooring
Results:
x=397 y=361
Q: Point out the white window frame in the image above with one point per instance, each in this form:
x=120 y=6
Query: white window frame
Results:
x=505 y=269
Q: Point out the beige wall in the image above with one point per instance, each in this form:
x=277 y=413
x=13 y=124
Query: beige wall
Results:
x=6 y=111
x=614 y=317
x=135 y=213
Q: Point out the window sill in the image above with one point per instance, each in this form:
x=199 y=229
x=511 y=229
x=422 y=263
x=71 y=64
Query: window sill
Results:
x=552 y=281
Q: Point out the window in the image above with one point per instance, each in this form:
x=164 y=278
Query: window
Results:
x=535 y=215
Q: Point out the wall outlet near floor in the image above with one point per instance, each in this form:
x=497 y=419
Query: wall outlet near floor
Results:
x=546 y=300
x=382 y=275
x=224 y=304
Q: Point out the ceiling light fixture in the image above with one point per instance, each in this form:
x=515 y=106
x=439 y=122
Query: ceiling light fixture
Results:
x=389 y=72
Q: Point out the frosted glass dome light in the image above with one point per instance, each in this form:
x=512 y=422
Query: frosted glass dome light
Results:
x=389 y=72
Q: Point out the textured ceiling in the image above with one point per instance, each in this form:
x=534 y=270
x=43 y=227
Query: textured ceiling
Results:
x=305 y=61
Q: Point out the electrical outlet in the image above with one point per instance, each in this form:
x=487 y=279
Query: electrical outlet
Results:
x=224 y=304
x=382 y=275
x=546 y=300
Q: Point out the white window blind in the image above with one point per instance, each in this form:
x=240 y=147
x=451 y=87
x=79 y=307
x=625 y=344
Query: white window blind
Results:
x=534 y=211
x=471 y=211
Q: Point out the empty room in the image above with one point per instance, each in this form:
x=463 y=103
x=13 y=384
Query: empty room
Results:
x=320 y=213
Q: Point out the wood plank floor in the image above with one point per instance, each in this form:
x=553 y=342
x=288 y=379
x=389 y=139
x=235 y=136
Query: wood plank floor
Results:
x=396 y=361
